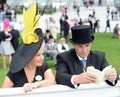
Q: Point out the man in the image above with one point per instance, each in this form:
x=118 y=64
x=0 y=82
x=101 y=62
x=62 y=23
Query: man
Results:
x=51 y=49
x=70 y=70
x=15 y=37
x=61 y=21
x=47 y=36
x=66 y=28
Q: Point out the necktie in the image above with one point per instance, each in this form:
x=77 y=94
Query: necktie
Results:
x=83 y=63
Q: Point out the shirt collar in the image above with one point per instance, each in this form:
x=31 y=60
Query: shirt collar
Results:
x=80 y=58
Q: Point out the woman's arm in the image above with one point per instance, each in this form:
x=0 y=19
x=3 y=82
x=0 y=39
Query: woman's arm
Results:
x=49 y=80
x=7 y=83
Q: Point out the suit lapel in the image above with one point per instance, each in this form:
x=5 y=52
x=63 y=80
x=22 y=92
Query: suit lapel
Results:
x=90 y=60
x=76 y=64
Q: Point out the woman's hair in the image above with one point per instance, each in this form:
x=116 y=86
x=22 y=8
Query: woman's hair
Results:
x=62 y=39
x=43 y=45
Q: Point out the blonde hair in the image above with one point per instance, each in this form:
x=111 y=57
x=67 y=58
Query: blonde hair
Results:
x=61 y=39
x=43 y=45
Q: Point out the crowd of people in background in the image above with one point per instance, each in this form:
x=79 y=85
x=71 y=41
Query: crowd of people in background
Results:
x=27 y=66
x=9 y=41
x=61 y=26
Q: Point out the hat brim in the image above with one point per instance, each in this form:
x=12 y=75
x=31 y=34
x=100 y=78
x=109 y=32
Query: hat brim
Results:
x=25 y=53
x=82 y=42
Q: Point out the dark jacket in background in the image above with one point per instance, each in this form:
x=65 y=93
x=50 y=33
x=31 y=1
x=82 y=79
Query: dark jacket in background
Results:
x=15 y=38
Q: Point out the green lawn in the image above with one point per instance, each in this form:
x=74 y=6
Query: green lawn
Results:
x=110 y=46
x=103 y=42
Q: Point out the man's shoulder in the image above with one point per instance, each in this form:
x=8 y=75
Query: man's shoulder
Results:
x=67 y=53
x=95 y=52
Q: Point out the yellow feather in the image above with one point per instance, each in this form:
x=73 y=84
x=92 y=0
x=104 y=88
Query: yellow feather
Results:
x=30 y=17
x=31 y=22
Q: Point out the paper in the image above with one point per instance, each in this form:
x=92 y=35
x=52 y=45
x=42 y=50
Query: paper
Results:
x=100 y=74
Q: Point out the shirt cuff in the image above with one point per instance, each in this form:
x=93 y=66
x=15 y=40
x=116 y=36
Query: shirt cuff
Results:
x=75 y=85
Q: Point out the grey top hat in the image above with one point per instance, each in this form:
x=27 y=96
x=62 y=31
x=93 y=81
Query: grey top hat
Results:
x=81 y=34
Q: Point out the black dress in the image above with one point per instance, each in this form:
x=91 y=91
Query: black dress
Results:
x=19 y=78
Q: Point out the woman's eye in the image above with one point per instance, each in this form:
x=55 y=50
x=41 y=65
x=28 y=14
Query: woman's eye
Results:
x=38 y=55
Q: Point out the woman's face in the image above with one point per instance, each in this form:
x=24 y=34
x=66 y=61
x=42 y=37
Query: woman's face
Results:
x=62 y=41
x=82 y=50
x=39 y=58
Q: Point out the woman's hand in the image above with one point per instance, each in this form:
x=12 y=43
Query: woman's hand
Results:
x=8 y=39
x=29 y=86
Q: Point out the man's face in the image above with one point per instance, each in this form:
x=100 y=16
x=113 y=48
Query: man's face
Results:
x=82 y=50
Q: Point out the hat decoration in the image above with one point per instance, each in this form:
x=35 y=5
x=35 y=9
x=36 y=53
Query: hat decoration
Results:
x=31 y=22
x=6 y=23
x=32 y=39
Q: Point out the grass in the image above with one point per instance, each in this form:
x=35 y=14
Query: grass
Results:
x=103 y=42
x=110 y=46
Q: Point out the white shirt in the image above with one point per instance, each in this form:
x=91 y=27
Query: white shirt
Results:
x=59 y=47
x=80 y=58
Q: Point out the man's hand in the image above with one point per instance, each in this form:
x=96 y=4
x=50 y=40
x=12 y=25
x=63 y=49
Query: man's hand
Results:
x=84 y=78
x=111 y=76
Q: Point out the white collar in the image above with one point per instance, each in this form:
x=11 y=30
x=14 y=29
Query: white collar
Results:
x=80 y=58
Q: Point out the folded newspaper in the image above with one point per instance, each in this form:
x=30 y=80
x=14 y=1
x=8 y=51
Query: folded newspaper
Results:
x=100 y=74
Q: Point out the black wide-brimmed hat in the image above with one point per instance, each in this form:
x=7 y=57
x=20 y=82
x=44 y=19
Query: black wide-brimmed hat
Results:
x=81 y=34
x=25 y=53
x=32 y=37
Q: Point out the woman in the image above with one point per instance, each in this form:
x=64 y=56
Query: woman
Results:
x=27 y=68
x=6 y=48
x=54 y=28
x=62 y=46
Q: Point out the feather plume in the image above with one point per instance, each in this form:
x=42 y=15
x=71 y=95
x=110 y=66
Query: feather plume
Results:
x=31 y=22
x=29 y=19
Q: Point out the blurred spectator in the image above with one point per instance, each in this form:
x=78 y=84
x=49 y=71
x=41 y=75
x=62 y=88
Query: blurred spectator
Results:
x=63 y=10
x=78 y=11
x=62 y=46
x=112 y=14
x=107 y=25
x=108 y=11
x=6 y=48
x=66 y=29
x=54 y=28
x=99 y=2
x=15 y=37
x=51 y=49
x=61 y=21
x=90 y=21
x=116 y=31
x=97 y=25
x=80 y=21
x=8 y=14
x=47 y=36
x=116 y=15
x=3 y=16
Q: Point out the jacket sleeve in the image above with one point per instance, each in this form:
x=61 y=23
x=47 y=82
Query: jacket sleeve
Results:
x=62 y=75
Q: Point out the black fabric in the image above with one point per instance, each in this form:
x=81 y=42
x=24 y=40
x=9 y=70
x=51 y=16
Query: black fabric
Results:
x=81 y=34
x=3 y=36
x=15 y=38
x=16 y=77
x=63 y=48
